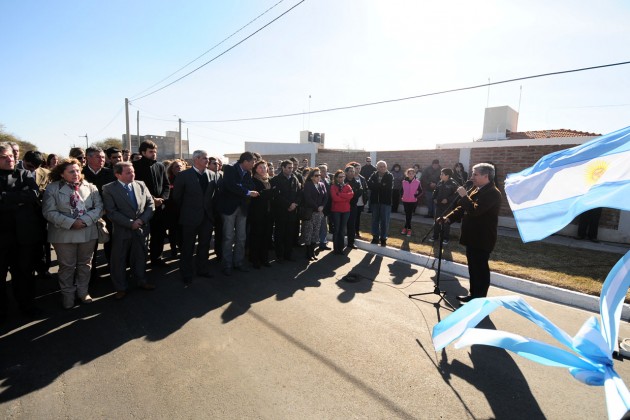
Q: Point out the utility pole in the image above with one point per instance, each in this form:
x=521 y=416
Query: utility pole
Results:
x=87 y=143
x=181 y=143
x=127 y=123
x=138 y=125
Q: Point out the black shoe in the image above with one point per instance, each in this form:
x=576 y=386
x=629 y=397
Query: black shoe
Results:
x=383 y=242
x=242 y=269
x=594 y=240
x=374 y=240
x=267 y=264
x=206 y=275
x=324 y=248
x=187 y=282
x=464 y=299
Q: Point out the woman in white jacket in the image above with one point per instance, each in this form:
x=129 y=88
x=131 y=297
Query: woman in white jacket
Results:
x=72 y=207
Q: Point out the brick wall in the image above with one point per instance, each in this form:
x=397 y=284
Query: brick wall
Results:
x=506 y=159
x=407 y=158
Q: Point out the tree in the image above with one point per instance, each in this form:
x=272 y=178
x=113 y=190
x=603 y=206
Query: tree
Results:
x=107 y=143
x=8 y=137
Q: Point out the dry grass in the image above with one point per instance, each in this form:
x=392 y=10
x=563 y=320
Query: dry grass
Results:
x=575 y=269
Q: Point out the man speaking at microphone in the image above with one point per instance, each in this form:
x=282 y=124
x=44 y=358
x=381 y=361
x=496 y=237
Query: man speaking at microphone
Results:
x=478 y=210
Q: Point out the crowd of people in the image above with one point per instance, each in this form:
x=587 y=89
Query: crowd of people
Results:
x=134 y=204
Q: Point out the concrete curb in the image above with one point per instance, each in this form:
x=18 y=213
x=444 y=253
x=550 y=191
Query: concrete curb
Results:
x=526 y=287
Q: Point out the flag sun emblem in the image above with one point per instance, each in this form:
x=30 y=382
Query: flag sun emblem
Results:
x=595 y=170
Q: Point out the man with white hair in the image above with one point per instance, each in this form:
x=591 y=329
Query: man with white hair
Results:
x=478 y=210
x=380 y=185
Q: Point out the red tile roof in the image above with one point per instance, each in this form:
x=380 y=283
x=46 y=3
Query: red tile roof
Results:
x=545 y=134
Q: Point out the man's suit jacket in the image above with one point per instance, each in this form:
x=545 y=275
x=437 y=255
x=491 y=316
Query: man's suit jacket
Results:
x=479 y=214
x=193 y=204
x=121 y=212
x=234 y=189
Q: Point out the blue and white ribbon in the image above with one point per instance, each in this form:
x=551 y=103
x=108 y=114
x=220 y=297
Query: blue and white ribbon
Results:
x=589 y=358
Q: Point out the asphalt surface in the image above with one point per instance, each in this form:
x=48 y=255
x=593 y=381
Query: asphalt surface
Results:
x=338 y=339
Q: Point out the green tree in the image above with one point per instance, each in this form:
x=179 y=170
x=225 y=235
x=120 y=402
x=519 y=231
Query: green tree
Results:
x=107 y=143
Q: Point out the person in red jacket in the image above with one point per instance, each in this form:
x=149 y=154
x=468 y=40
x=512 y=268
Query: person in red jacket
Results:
x=340 y=194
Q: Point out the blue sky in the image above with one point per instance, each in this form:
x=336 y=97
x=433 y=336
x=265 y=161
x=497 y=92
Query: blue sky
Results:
x=68 y=65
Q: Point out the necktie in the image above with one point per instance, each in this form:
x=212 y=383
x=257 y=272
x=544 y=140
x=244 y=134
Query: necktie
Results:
x=132 y=196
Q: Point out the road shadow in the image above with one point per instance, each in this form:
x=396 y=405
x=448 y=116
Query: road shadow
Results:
x=360 y=279
x=35 y=354
x=496 y=375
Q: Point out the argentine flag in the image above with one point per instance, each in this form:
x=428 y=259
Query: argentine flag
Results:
x=561 y=185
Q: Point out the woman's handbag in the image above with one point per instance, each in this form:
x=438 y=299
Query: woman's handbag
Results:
x=305 y=213
x=103 y=233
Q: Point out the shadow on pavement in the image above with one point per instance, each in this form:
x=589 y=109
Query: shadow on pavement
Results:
x=496 y=375
x=34 y=354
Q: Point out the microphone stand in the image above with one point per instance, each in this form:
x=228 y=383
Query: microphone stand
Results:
x=436 y=286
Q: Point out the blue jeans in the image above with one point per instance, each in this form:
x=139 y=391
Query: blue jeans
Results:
x=380 y=220
x=341 y=221
x=323 y=232
x=234 y=236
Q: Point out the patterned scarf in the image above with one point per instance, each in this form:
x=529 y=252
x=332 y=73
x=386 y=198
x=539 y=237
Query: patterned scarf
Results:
x=77 y=205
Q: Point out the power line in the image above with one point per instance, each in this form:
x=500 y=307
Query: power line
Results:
x=110 y=123
x=212 y=48
x=221 y=54
x=414 y=97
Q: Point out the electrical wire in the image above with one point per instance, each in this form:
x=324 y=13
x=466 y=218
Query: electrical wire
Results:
x=111 y=121
x=386 y=101
x=221 y=54
x=212 y=48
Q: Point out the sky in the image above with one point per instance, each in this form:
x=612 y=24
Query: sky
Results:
x=67 y=67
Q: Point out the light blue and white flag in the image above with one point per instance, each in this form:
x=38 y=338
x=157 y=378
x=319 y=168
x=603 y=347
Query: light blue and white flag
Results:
x=589 y=355
x=561 y=185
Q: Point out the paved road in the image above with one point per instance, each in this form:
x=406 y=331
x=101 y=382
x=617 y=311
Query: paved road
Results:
x=292 y=341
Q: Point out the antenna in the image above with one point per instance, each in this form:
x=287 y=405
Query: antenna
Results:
x=308 y=126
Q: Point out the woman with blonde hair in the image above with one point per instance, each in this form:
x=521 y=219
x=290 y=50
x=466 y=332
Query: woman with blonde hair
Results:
x=72 y=206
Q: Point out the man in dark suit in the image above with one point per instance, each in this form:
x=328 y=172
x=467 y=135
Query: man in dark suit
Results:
x=478 y=211
x=193 y=192
x=20 y=236
x=96 y=173
x=153 y=174
x=237 y=188
x=286 y=195
x=129 y=205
